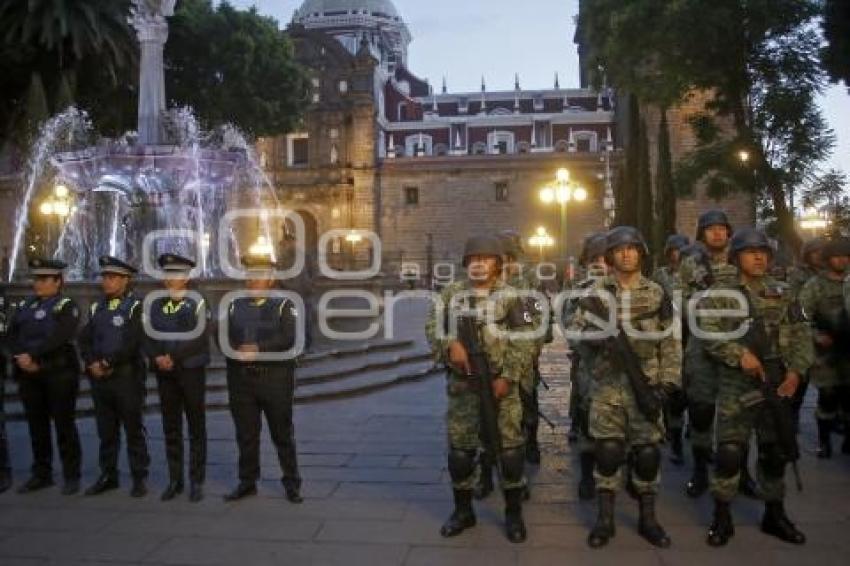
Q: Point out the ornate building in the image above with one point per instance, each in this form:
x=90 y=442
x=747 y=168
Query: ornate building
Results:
x=381 y=150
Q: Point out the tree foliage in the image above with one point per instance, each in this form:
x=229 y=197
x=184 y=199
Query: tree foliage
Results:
x=836 y=31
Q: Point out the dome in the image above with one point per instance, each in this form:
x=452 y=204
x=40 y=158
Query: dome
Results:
x=312 y=9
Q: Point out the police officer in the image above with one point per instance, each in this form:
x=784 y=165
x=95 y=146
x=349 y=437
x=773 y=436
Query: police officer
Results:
x=47 y=371
x=594 y=268
x=483 y=291
x=262 y=325
x=111 y=345
x=822 y=298
x=698 y=273
x=180 y=367
x=787 y=344
x=5 y=464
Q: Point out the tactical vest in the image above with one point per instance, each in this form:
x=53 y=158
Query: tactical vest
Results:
x=110 y=324
x=179 y=317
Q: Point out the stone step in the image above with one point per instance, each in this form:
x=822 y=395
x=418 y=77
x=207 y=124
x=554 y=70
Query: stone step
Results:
x=323 y=366
x=356 y=383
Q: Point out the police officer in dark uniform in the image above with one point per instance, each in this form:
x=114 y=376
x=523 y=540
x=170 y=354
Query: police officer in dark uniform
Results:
x=5 y=464
x=180 y=367
x=258 y=325
x=111 y=345
x=47 y=370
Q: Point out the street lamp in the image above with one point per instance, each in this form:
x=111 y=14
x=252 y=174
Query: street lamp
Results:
x=563 y=192
x=541 y=240
x=814 y=221
x=261 y=247
x=58 y=205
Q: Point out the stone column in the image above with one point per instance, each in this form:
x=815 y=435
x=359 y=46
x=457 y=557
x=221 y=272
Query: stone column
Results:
x=148 y=18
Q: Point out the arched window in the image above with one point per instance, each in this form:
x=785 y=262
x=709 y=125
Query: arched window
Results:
x=586 y=141
x=501 y=142
x=418 y=144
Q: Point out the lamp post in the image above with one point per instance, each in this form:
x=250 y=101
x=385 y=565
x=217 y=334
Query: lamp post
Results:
x=57 y=206
x=562 y=192
x=814 y=222
x=541 y=240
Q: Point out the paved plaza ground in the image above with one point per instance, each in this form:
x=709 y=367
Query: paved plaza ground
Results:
x=377 y=491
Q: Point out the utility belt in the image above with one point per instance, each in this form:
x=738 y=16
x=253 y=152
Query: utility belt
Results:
x=262 y=369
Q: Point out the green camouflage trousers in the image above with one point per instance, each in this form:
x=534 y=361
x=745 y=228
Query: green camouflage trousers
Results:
x=463 y=420
x=735 y=424
x=701 y=385
x=614 y=415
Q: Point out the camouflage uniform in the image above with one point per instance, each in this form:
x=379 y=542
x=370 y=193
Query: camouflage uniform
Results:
x=614 y=415
x=508 y=359
x=822 y=299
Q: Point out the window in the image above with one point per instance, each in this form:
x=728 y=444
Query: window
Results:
x=501 y=142
x=297 y=150
x=411 y=196
x=501 y=192
x=417 y=145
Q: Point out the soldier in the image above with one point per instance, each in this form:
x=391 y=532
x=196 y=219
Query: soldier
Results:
x=111 y=345
x=617 y=419
x=262 y=325
x=47 y=370
x=699 y=273
x=811 y=264
x=581 y=377
x=668 y=277
x=778 y=361
x=530 y=383
x=180 y=367
x=822 y=299
x=483 y=291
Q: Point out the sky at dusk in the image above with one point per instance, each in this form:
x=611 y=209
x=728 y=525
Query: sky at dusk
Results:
x=465 y=40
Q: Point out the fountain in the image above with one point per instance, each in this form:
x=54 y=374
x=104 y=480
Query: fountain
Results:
x=169 y=176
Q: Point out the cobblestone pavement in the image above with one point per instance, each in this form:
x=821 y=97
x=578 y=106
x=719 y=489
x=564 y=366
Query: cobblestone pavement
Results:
x=377 y=491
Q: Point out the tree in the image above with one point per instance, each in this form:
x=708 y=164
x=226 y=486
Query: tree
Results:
x=828 y=193
x=836 y=31
x=234 y=66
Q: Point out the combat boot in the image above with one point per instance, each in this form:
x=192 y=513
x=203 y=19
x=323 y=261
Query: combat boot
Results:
x=698 y=483
x=106 y=482
x=5 y=480
x=587 y=484
x=139 y=489
x=462 y=518
x=824 y=439
x=845 y=446
x=648 y=526
x=722 y=529
x=485 y=486
x=514 y=525
x=36 y=483
x=776 y=523
x=677 y=456
x=604 y=530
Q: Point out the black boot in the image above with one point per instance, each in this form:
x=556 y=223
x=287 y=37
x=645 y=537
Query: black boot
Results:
x=5 y=480
x=677 y=456
x=36 y=483
x=485 y=479
x=845 y=446
x=587 y=483
x=104 y=483
x=514 y=525
x=698 y=483
x=139 y=488
x=648 y=526
x=603 y=531
x=196 y=492
x=293 y=491
x=71 y=487
x=174 y=489
x=243 y=490
x=463 y=516
x=721 y=529
x=776 y=523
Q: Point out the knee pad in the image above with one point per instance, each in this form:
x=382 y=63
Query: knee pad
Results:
x=461 y=464
x=828 y=400
x=610 y=455
x=702 y=416
x=647 y=462
x=771 y=462
x=729 y=459
x=513 y=463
